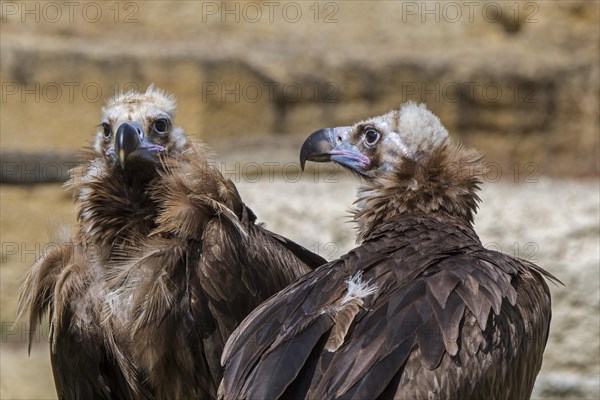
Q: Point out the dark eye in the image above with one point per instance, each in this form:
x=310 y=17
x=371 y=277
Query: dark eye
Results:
x=161 y=126
x=371 y=137
x=106 y=129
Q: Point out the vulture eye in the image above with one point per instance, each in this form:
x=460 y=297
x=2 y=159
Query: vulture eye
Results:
x=161 y=126
x=371 y=137
x=106 y=129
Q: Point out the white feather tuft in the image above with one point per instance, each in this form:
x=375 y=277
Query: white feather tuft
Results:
x=357 y=289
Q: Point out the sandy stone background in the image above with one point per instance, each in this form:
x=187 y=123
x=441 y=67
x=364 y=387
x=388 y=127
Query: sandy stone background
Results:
x=517 y=80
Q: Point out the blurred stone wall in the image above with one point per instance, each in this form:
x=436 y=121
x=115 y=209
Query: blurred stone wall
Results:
x=518 y=80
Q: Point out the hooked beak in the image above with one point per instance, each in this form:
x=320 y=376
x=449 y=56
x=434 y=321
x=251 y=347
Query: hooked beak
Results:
x=130 y=145
x=331 y=144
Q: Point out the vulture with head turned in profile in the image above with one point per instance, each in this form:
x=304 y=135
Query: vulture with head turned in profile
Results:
x=166 y=261
x=420 y=309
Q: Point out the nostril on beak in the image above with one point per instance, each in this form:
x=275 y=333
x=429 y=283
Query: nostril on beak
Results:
x=339 y=139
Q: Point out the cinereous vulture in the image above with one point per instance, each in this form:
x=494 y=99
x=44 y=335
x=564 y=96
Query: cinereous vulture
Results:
x=165 y=262
x=420 y=309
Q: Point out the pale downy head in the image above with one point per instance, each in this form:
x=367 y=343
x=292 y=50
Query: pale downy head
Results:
x=379 y=143
x=138 y=127
x=408 y=164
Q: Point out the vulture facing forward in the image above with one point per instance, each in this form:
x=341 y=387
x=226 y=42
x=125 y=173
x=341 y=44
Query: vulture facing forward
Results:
x=166 y=261
x=420 y=309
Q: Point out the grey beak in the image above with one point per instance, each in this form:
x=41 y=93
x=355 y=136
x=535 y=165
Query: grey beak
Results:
x=127 y=141
x=317 y=146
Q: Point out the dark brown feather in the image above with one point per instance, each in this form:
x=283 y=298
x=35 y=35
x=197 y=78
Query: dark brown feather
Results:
x=407 y=314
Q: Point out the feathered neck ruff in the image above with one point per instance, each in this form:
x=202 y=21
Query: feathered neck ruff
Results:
x=112 y=205
x=442 y=184
x=116 y=208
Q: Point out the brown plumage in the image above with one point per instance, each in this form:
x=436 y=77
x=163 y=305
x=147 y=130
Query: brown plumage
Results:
x=420 y=309
x=164 y=264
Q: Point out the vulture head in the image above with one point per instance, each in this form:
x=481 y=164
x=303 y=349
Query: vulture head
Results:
x=137 y=129
x=408 y=164
x=111 y=188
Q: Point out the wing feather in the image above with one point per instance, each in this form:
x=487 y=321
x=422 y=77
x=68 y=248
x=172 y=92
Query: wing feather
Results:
x=436 y=308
